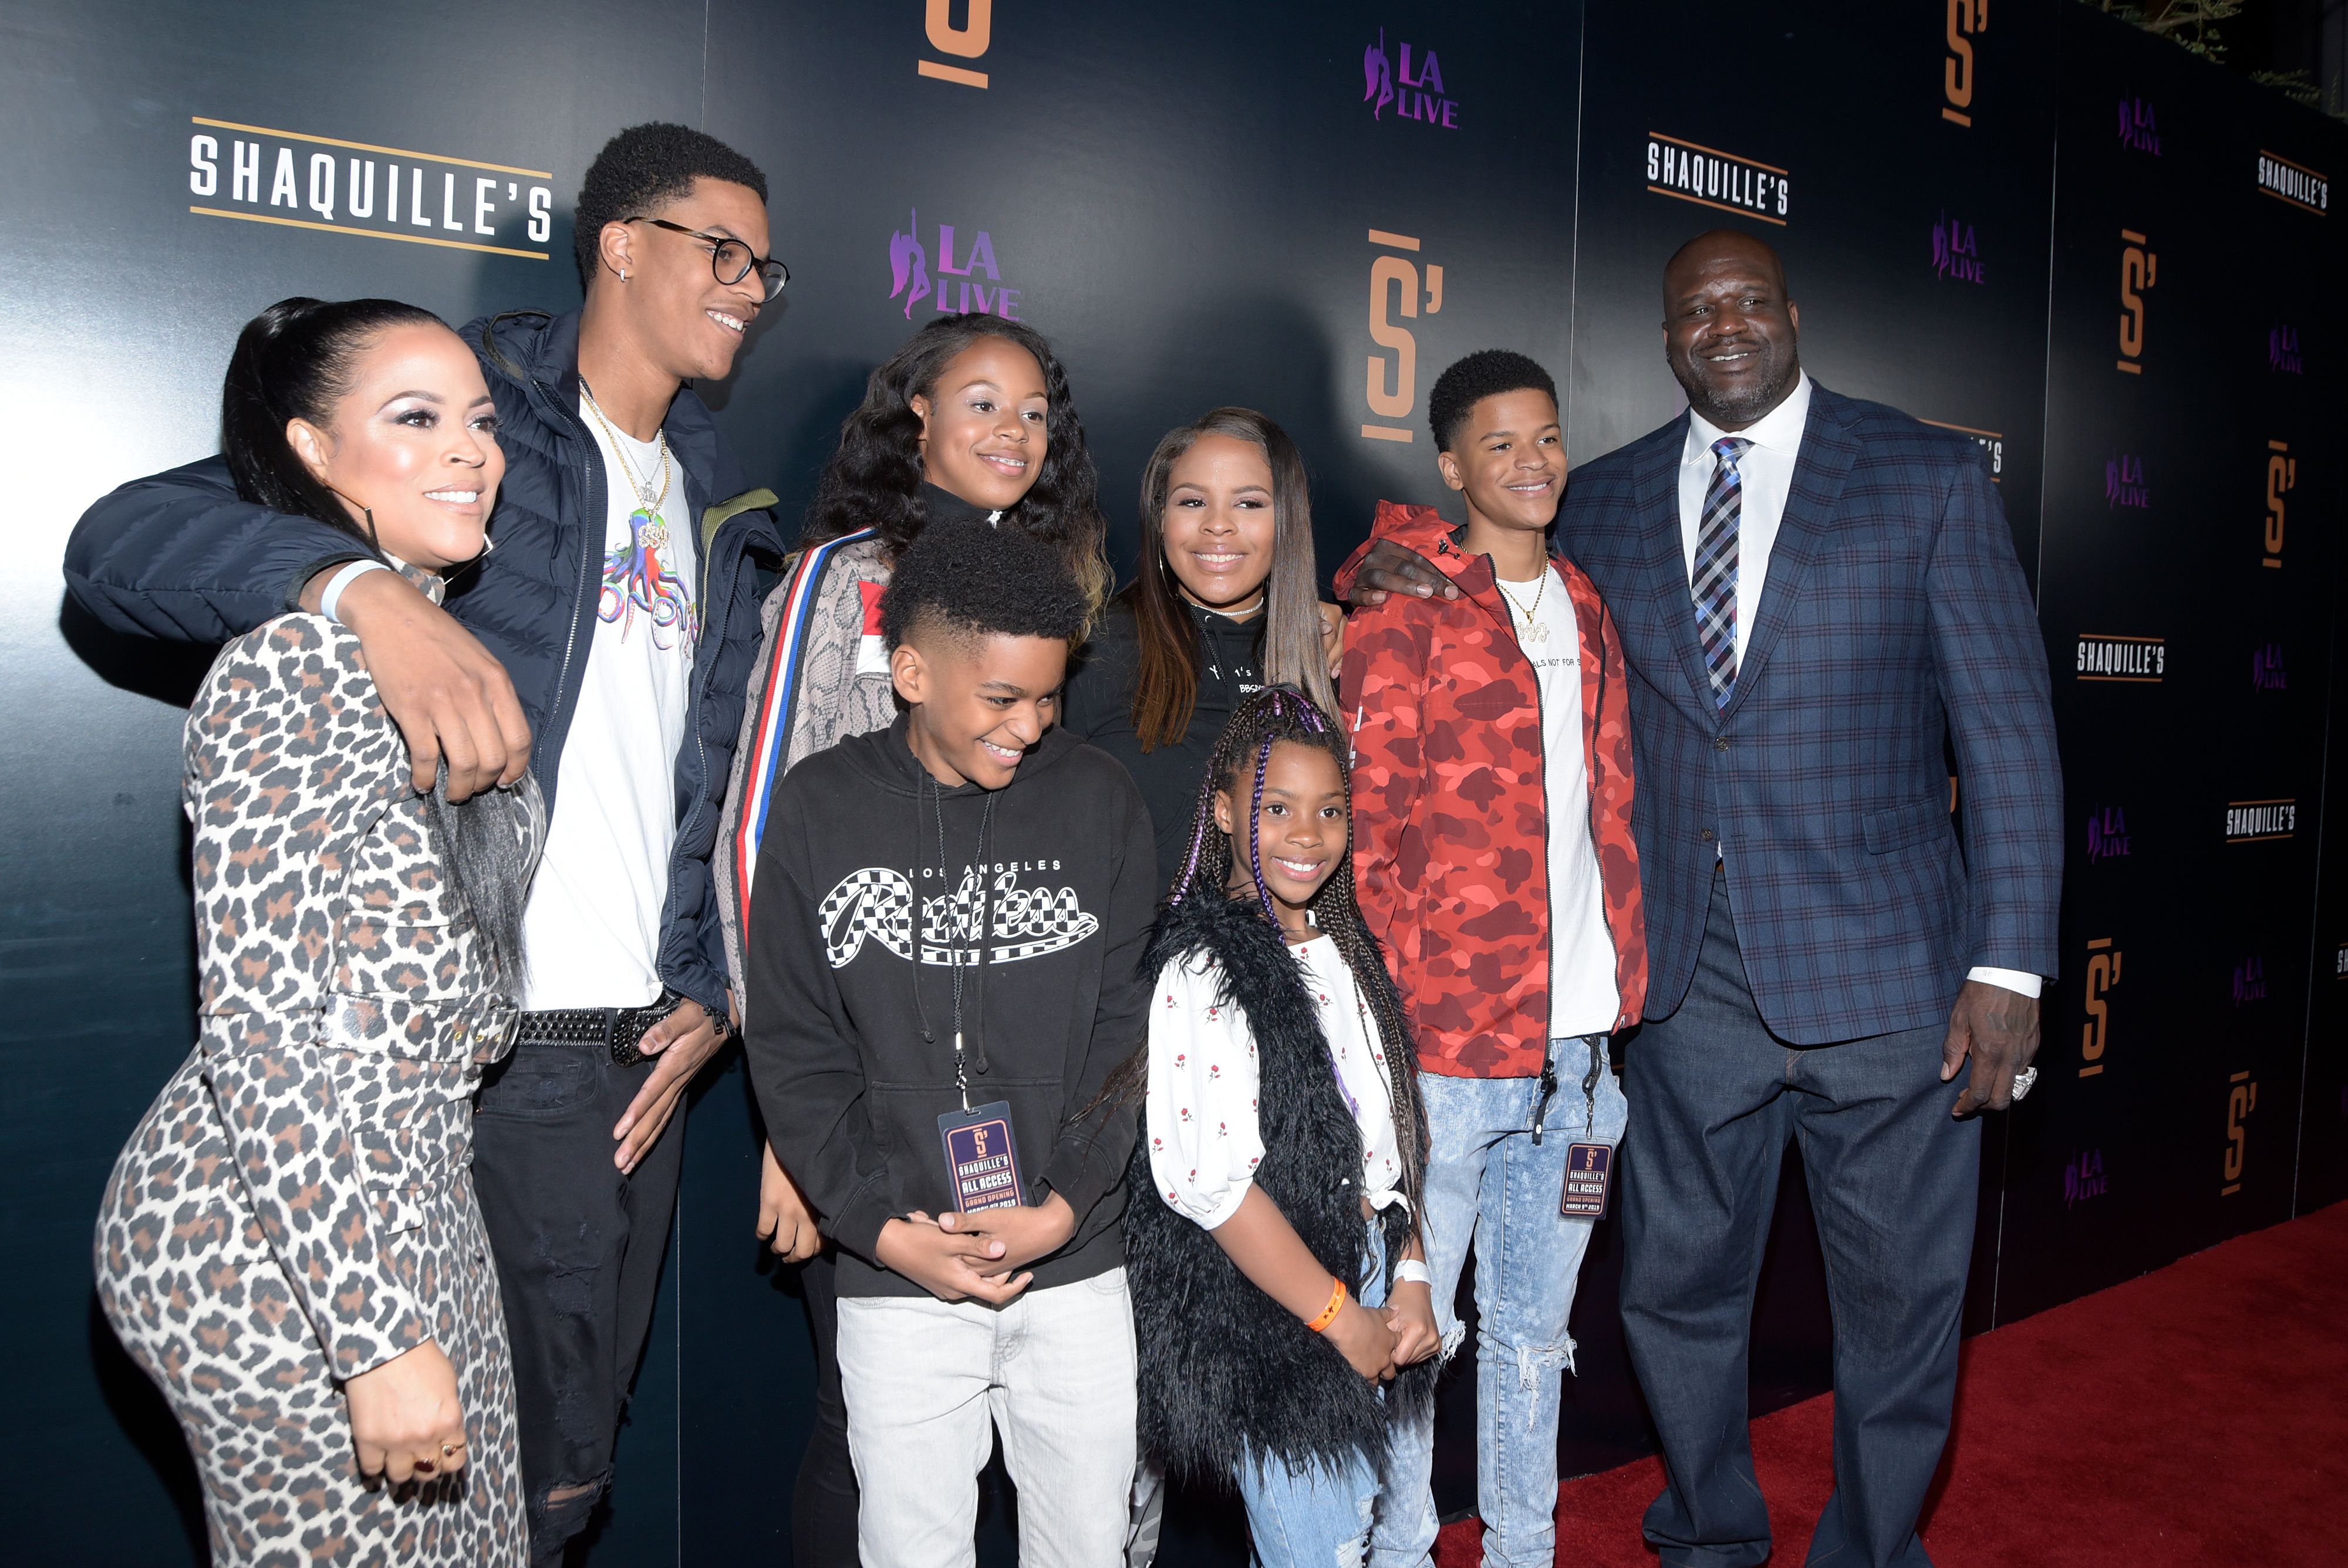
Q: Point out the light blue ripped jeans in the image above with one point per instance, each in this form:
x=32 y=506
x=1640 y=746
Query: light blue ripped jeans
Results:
x=1488 y=1179
x=1318 y=1517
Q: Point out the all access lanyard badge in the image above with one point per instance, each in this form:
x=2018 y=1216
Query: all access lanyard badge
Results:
x=1590 y=1164
x=982 y=1155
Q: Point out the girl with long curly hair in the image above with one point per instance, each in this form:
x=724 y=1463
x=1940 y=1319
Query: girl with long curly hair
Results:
x=971 y=418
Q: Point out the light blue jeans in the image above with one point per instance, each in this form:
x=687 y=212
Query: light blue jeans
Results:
x=1317 y=1516
x=1488 y=1179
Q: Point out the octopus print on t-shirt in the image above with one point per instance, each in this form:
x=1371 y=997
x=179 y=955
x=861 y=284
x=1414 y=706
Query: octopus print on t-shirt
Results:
x=593 y=922
x=640 y=589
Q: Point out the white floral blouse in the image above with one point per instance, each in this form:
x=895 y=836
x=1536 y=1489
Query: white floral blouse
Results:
x=1204 y=1140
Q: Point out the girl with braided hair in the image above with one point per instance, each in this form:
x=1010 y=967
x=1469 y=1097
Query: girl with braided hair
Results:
x=1280 y=1302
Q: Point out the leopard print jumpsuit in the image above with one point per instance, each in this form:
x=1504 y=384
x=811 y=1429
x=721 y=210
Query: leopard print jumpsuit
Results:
x=297 y=1205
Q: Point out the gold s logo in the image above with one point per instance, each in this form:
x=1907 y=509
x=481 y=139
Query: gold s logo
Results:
x=1966 y=17
x=1391 y=386
x=967 y=42
x=978 y=1137
x=2282 y=475
x=2240 y=1101
x=2139 y=269
x=2103 y=974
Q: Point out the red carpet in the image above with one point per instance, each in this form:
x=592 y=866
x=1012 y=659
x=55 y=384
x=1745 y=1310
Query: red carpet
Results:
x=2197 y=1415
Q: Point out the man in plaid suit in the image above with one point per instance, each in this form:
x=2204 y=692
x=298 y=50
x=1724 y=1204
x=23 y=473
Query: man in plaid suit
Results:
x=1814 y=593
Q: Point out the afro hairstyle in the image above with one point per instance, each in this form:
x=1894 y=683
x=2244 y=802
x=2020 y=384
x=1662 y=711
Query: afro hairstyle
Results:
x=965 y=576
x=643 y=169
x=1487 y=372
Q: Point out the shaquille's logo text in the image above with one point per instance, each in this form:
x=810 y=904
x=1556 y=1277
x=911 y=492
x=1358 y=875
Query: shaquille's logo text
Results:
x=2257 y=821
x=1711 y=177
x=296 y=181
x=2139 y=659
x=2295 y=183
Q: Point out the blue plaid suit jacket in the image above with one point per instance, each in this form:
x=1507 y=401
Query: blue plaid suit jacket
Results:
x=1893 y=615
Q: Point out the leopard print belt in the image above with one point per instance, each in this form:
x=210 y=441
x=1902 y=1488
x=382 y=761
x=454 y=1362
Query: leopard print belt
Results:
x=480 y=1028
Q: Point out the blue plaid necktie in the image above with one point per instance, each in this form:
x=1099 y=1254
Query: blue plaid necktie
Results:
x=1714 y=582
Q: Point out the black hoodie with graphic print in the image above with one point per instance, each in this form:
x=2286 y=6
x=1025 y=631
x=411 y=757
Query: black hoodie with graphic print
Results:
x=853 y=959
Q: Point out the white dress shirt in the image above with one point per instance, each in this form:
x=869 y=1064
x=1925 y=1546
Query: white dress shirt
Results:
x=1765 y=472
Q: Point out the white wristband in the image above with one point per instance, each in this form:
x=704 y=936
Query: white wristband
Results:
x=330 y=601
x=1411 y=1271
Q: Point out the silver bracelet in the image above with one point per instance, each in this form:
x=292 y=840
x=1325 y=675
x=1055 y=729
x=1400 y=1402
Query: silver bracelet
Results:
x=1411 y=1270
x=330 y=601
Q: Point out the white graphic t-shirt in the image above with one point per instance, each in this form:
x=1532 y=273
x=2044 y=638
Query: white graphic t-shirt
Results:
x=1581 y=994
x=592 y=929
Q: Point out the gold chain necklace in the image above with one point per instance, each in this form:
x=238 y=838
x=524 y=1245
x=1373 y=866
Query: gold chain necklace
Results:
x=1535 y=630
x=652 y=503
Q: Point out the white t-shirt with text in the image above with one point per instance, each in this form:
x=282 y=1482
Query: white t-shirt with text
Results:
x=1581 y=992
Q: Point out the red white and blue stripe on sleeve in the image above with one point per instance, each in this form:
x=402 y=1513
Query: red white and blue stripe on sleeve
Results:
x=770 y=739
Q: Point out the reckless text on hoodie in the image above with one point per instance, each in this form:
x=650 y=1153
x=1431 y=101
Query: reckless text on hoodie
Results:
x=853 y=958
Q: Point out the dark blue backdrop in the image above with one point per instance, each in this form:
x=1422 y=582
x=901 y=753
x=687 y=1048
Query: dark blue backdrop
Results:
x=1200 y=205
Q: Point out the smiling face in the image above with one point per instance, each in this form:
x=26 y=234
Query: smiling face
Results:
x=982 y=424
x=1731 y=334
x=413 y=441
x=980 y=701
x=1300 y=828
x=682 y=318
x=1509 y=459
x=1218 y=522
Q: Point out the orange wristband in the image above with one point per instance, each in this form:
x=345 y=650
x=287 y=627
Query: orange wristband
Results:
x=1328 y=1313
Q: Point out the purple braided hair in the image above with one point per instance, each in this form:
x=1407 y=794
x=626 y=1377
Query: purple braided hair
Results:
x=1255 y=832
x=1266 y=718
x=1280 y=701
x=1291 y=706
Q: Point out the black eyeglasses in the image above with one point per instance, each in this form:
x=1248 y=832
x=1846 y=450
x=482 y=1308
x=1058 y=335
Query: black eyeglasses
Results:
x=730 y=258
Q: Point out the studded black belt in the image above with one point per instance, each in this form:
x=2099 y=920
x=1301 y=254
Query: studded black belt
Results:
x=618 y=1029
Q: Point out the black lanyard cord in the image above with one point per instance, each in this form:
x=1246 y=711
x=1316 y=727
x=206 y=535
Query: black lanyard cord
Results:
x=953 y=946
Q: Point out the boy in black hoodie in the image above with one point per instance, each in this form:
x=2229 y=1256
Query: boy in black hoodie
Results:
x=952 y=913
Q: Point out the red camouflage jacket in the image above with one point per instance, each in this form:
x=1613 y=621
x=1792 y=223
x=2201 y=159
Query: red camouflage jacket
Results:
x=1451 y=815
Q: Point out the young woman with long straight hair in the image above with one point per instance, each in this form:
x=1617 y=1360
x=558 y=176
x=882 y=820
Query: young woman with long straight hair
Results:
x=970 y=419
x=1227 y=600
x=290 y=1244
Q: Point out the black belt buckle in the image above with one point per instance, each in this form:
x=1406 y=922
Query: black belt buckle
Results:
x=629 y=1024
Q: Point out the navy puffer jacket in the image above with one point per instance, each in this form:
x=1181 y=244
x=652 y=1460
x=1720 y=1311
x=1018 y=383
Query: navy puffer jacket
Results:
x=179 y=555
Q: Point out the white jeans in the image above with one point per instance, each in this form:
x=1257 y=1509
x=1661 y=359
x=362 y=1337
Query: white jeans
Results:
x=926 y=1379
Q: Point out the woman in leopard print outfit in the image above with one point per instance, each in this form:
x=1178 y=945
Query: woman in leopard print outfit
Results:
x=296 y=1212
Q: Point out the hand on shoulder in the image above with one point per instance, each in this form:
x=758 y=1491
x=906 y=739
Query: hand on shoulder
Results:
x=450 y=696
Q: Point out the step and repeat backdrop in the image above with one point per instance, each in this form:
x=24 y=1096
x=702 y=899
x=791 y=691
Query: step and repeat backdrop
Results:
x=2102 y=259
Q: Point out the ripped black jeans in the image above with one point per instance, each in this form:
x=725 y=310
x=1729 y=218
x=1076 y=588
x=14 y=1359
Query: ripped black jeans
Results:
x=579 y=1248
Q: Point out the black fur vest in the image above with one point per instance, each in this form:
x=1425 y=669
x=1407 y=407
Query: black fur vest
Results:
x=1224 y=1368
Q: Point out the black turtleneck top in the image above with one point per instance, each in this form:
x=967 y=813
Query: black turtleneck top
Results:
x=939 y=504
x=1100 y=709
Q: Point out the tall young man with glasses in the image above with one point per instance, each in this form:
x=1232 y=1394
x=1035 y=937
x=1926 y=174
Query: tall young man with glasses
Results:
x=616 y=620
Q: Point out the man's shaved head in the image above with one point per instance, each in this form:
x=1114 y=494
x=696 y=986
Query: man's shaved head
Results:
x=1716 y=245
x=1731 y=330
